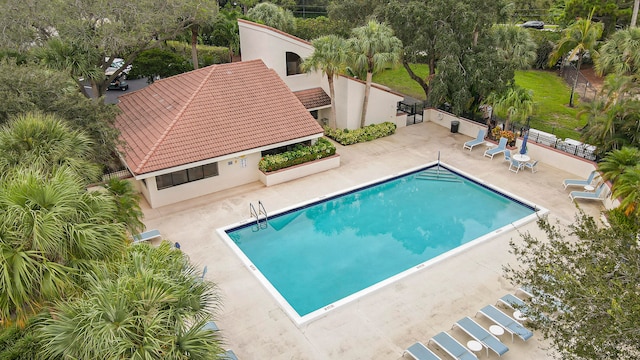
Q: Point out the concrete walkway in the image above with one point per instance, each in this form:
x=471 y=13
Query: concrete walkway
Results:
x=382 y=324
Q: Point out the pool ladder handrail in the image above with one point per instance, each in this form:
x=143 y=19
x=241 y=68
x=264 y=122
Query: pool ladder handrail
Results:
x=257 y=213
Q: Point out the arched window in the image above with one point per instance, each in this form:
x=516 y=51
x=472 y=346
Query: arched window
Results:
x=293 y=64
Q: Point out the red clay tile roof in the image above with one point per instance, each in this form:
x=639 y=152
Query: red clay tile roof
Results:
x=207 y=113
x=313 y=98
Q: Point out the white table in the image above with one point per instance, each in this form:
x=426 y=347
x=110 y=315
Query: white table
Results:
x=496 y=330
x=474 y=345
x=589 y=188
x=521 y=157
x=518 y=315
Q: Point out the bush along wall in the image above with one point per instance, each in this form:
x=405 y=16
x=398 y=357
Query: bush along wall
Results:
x=300 y=154
x=367 y=133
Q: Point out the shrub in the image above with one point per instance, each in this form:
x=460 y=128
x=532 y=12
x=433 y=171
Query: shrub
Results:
x=207 y=55
x=299 y=155
x=367 y=133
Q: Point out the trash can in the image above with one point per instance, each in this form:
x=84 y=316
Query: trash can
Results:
x=454 y=126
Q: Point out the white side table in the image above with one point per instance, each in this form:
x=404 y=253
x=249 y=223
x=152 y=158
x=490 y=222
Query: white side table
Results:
x=518 y=315
x=474 y=345
x=496 y=330
x=589 y=188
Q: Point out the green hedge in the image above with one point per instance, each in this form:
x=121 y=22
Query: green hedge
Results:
x=207 y=55
x=300 y=154
x=367 y=133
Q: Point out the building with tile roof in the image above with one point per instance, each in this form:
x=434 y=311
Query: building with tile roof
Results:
x=205 y=130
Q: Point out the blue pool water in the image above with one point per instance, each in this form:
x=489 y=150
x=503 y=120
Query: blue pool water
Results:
x=325 y=251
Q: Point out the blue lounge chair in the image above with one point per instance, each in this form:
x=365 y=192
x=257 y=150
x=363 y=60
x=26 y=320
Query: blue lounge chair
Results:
x=513 y=302
x=575 y=182
x=452 y=347
x=481 y=335
x=508 y=323
x=420 y=352
x=477 y=141
x=146 y=236
x=592 y=195
x=229 y=355
x=502 y=147
x=210 y=325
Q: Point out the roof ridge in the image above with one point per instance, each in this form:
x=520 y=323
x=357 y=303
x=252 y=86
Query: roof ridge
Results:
x=175 y=119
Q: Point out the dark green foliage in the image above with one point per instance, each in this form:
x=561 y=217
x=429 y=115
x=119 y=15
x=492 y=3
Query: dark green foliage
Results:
x=584 y=278
x=17 y=343
x=367 y=133
x=313 y=28
x=30 y=88
x=159 y=62
x=208 y=55
x=299 y=155
x=545 y=41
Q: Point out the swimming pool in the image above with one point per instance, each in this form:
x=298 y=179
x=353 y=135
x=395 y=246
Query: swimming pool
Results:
x=329 y=251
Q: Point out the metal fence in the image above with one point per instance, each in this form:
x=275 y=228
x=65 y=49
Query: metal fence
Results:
x=120 y=174
x=583 y=87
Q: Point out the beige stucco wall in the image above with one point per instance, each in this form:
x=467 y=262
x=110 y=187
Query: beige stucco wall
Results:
x=231 y=173
x=259 y=42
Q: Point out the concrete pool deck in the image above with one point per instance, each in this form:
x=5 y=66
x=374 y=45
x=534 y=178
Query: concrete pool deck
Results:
x=384 y=323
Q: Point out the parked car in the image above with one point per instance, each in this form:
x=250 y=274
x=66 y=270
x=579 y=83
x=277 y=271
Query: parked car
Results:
x=533 y=24
x=118 y=84
x=116 y=64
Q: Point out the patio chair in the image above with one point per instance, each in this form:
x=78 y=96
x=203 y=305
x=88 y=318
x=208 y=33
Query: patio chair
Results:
x=420 y=352
x=576 y=182
x=477 y=141
x=509 y=324
x=481 y=335
x=507 y=156
x=229 y=355
x=502 y=147
x=532 y=165
x=512 y=301
x=452 y=347
x=146 y=236
x=515 y=165
x=210 y=325
x=590 y=195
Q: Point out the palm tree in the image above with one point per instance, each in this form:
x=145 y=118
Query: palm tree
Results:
x=153 y=306
x=45 y=142
x=579 y=38
x=330 y=57
x=52 y=230
x=127 y=201
x=374 y=48
x=515 y=45
x=517 y=103
x=621 y=168
x=620 y=54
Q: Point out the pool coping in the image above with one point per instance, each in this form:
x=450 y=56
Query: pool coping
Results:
x=302 y=320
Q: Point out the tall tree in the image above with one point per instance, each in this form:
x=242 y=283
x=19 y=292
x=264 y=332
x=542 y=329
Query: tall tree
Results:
x=273 y=15
x=579 y=38
x=330 y=56
x=584 y=281
x=620 y=54
x=374 y=47
x=202 y=14
x=154 y=305
x=515 y=45
x=101 y=30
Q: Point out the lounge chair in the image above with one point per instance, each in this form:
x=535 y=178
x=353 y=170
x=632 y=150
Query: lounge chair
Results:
x=515 y=165
x=527 y=290
x=502 y=147
x=576 y=182
x=210 y=325
x=452 y=347
x=512 y=301
x=229 y=355
x=532 y=165
x=420 y=352
x=506 y=321
x=592 y=195
x=477 y=141
x=146 y=236
x=481 y=335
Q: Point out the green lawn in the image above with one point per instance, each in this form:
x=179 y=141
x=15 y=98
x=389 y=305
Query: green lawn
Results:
x=551 y=94
x=398 y=79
